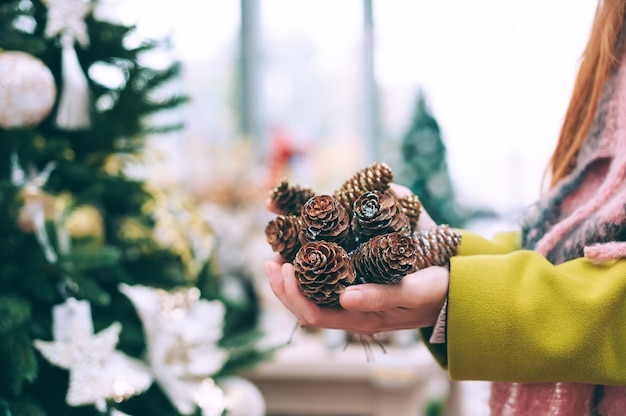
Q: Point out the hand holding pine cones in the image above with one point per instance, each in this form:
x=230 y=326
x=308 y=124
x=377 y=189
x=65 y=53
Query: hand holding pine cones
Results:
x=361 y=233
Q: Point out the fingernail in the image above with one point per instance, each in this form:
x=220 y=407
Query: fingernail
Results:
x=352 y=298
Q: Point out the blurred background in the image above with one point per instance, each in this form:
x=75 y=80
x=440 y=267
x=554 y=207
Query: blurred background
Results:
x=338 y=83
x=462 y=100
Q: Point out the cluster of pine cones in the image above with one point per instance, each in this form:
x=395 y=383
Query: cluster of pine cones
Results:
x=362 y=233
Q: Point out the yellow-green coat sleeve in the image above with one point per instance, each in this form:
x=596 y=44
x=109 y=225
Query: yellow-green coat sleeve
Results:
x=472 y=244
x=516 y=317
x=502 y=243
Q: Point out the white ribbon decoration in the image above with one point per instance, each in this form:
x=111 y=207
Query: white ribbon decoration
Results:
x=66 y=18
x=73 y=111
x=33 y=184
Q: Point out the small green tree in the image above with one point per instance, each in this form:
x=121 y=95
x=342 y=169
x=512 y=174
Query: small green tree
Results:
x=425 y=169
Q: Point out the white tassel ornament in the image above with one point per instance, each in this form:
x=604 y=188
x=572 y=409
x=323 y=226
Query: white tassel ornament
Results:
x=66 y=18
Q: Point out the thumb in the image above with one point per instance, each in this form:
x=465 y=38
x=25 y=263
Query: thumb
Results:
x=369 y=297
x=424 y=288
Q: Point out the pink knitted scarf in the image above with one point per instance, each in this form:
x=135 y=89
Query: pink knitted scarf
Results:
x=584 y=215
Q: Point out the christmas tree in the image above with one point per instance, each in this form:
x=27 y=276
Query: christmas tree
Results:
x=425 y=169
x=107 y=307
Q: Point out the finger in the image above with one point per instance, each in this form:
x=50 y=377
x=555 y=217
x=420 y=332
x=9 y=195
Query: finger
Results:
x=273 y=271
x=310 y=314
x=370 y=297
x=424 y=293
x=427 y=287
x=399 y=190
x=270 y=205
x=305 y=310
x=422 y=289
x=280 y=259
x=272 y=267
x=425 y=222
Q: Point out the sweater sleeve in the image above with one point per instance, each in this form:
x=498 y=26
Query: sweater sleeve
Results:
x=516 y=317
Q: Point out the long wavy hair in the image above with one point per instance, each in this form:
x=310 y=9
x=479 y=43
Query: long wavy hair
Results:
x=600 y=56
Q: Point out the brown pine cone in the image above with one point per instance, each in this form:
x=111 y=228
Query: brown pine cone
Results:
x=386 y=258
x=323 y=218
x=375 y=177
x=378 y=213
x=412 y=207
x=289 y=199
x=435 y=247
x=282 y=235
x=323 y=270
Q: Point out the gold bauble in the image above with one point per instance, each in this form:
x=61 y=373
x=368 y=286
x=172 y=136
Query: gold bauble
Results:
x=85 y=221
x=131 y=229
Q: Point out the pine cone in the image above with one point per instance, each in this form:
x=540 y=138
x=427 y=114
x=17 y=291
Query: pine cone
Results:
x=323 y=218
x=378 y=213
x=323 y=270
x=282 y=235
x=289 y=199
x=435 y=247
x=386 y=258
x=375 y=177
x=412 y=207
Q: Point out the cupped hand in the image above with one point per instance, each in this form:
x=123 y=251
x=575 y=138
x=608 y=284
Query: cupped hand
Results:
x=367 y=309
x=371 y=308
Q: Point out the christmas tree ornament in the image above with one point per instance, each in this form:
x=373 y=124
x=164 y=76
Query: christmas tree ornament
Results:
x=182 y=335
x=375 y=177
x=27 y=90
x=376 y=213
x=386 y=258
x=37 y=206
x=323 y=270
x=66 y=20
x=180 y=226
x=115 y=412
x=210 y=398
x=323 y=218
x=435 y=247
x=104 y=408
x=289 y=199
x=243 y=398
x=85 y=221
x=97 y=371
x=282 y=235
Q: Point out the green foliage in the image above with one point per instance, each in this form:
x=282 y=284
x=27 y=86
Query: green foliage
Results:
x=435 y=408
x=89 y=172
x=425 y=169
x=14 y=313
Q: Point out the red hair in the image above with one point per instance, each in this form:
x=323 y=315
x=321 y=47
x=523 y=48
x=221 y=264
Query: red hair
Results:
x=601 y=55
